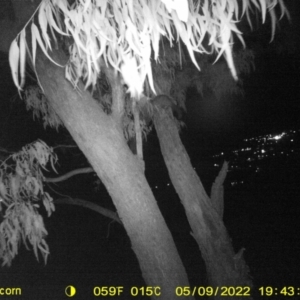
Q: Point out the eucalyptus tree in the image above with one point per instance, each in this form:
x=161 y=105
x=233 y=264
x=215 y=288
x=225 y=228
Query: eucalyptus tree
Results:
x=70 y=45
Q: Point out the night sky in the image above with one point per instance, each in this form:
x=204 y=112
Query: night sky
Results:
x=254 y=213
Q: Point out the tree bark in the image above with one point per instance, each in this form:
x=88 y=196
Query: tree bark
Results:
x=224 y=268
x=102 y=142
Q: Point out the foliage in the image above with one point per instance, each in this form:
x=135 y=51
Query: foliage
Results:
x=36 y=100
x=124 y=34
x=21 y=190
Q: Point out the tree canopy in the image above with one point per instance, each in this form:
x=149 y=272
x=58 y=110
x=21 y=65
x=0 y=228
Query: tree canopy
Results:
x=125 y=34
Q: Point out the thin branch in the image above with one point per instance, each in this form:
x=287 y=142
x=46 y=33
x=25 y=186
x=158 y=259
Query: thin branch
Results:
x=87 y=204
x=65 y=146
x=138 y=132
x=70 y=174
x=5 y=151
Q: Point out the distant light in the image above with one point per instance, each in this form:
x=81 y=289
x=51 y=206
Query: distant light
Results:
x=278 y=137
x=263 y=151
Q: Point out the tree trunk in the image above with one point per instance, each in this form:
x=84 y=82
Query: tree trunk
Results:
x=102 y=142
x=224 y=268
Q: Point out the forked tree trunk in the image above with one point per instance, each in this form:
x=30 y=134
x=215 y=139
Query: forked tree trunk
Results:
x=224 y=267
x=102 y=142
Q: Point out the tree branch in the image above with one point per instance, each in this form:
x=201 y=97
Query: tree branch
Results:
x=70 y=174
x=65 y=146
x=87 y=204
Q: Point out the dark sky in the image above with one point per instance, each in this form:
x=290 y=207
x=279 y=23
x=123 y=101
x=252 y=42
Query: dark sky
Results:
x=272 y=90
x=271 y=99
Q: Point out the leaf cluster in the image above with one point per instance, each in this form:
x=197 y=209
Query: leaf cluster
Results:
x=21 y=190
x=124 y=34
x=37 y=101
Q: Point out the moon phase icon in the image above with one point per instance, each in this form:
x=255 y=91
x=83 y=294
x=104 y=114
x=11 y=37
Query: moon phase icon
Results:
x=70 y=291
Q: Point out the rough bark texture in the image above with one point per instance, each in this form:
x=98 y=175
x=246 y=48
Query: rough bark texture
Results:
x=224 y=268
x=102 y=142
